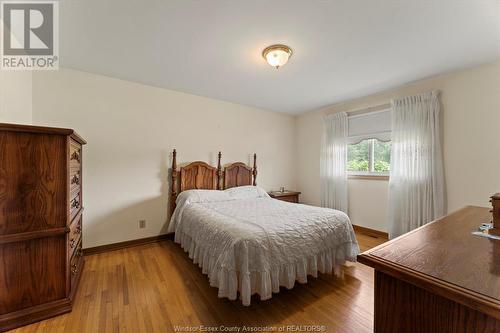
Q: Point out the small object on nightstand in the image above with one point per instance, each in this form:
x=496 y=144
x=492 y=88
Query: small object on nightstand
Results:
x=485 y=226
x=289 y=196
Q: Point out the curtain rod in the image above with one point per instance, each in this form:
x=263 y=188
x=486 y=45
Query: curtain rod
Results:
x=370 y=109
x=362 y=111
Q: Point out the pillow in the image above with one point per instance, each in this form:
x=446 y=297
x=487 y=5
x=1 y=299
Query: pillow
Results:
x=246 y=192
x=196 y=196
x=188 y=197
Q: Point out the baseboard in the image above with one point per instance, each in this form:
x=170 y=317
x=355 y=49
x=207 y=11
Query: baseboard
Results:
x=123 y=245
x=371 y=232
x=33 y=314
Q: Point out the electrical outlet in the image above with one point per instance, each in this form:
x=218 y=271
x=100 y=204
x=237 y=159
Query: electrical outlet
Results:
x=142 y=224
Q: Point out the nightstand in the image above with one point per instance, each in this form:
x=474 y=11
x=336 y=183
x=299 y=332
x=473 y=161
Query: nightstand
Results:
x=289 y=196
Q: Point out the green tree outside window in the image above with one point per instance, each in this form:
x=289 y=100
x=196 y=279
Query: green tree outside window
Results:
x=370 y=156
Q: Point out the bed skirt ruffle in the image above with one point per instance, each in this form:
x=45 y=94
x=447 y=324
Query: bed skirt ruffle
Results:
x=230 y=281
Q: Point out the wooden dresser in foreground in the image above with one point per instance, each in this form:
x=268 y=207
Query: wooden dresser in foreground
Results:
x=289 y=196
x=438 y=278
x=40 y=222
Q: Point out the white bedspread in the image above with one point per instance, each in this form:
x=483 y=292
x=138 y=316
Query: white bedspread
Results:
x=255 y=244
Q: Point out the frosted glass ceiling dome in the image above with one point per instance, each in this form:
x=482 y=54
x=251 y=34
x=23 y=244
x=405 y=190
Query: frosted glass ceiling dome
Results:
x=277 y=55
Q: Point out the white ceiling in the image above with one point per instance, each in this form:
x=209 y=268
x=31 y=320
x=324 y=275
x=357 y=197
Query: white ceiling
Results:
x=342 y=48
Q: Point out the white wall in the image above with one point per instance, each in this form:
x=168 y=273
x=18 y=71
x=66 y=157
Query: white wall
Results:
x=15 y=96
x=471 y=114
x=131 y=130
x=368 y=203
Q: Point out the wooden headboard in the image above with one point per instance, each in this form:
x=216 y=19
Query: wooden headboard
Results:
x=202 y=176
x=239 y=174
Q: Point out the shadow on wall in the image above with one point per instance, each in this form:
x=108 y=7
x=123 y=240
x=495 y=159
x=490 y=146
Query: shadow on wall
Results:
x=166 y=176
x=124 y=222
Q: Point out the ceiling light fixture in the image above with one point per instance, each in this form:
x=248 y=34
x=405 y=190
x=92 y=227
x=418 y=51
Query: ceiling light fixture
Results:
x=277 y=55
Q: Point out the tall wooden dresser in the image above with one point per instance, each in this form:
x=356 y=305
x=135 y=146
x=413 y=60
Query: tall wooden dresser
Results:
x=40 y=222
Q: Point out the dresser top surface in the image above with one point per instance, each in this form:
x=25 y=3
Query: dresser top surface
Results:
x=41 y=130
x=445 y=250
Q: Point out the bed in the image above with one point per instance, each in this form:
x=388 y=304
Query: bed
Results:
x=246 y=242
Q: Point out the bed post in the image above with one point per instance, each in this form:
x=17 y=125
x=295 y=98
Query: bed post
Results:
x=219 y=171
x=173 y=190
x=254 y=171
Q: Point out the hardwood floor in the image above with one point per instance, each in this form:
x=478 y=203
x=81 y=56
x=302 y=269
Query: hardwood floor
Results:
x=154 y=287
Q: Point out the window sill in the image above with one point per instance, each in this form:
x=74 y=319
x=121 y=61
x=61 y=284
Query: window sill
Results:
x=369 y=177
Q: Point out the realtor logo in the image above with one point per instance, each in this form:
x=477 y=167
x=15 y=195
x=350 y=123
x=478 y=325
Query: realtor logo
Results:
x=30 y=35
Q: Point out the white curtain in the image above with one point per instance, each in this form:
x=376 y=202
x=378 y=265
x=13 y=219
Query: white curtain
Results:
x=416 y=185
x=333 y=166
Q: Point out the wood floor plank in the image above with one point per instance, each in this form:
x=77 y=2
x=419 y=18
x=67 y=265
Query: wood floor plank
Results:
x=154 y=287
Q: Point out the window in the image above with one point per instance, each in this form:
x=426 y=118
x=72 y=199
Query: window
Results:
x=369 y=157
x=369 y=143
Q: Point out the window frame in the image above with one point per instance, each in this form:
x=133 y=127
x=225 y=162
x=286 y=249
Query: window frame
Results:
x=382 y=137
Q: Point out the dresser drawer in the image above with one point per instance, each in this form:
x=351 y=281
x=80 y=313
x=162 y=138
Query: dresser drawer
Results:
x=74 y=205
x=289 y=198
x=75 y=155
x=75 y=182
x=76 y=264
x=75 y=234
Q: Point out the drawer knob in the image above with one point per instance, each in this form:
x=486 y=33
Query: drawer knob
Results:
x=75 y=180
x=75 y=156
x=75 y=204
